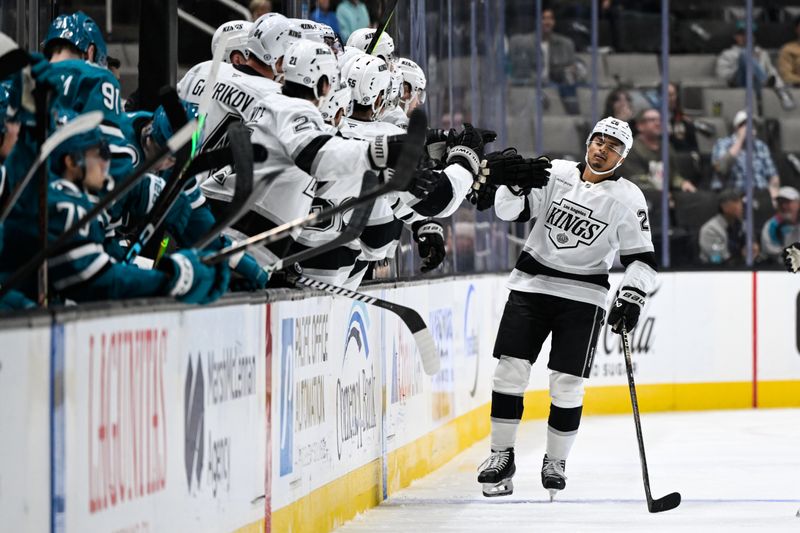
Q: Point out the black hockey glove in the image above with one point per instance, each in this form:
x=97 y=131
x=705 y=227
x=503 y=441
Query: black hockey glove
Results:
x=423 y=183
x=626 y=309
x=791 y=257
x=487 y=136
x=384 y=151
x=429 y=235
x=482 y=195
x=511 y=169
x=436 y=143
x=466 y=149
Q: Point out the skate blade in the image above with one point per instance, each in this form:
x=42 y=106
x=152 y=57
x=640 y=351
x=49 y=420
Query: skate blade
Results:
x=503 y=488
x=553 y=493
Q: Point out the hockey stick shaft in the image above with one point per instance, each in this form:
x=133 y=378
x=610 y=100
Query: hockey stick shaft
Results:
x=383 y=24
x=672 y=500
x=175 y=143
x=242 y=152
x=80 y=124
x=422 y=336
x=358 y=221
x=636 y=418
x=167 y=197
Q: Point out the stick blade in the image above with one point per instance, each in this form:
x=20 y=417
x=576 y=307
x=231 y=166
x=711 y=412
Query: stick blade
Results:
x=431 y=362
x=668 y=502
x=13 y=61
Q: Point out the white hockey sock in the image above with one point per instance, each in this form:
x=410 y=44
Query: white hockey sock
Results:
x=566 y=395
x=504 y=434
x=559 y=443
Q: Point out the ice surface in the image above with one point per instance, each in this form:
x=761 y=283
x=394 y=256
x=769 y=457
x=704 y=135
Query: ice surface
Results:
x=736 y=471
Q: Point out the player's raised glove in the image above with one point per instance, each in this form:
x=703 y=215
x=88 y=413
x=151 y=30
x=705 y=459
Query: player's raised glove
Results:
x=626 y=309
x=429 y=236
x=512 y=170
x=192 y=281
x=436 y=143
x=791 y=257
x=423 y=183
x=466 y=149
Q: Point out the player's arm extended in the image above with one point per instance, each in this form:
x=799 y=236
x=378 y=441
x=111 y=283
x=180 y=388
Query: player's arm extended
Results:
x=518 y=206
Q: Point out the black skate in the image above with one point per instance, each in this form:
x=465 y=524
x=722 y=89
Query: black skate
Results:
x=496 y=473
x=553 y=477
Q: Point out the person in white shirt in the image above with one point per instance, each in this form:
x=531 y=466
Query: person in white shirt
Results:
x=584 y=215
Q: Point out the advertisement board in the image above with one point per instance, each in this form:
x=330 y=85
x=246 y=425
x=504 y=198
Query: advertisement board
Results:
x=25 y=442
x=165 y=407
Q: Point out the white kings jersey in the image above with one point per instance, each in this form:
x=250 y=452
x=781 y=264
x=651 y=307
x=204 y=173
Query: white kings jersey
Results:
x=579 y=228
x=233 y=99
x=293 y=132
x=379 y=239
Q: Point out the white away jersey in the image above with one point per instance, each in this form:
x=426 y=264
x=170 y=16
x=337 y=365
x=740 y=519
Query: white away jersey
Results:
x=579 y=228
x=291 y=129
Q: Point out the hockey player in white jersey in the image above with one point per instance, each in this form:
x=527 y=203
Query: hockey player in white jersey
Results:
x=392 y=112
x=301 y=150
x=384 y=49
x=584 y=215
x=415 y=83
x=267 y=41
x=236 y=45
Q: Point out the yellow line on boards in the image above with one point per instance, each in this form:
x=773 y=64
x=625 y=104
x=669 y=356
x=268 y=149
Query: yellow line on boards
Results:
x=335 y=503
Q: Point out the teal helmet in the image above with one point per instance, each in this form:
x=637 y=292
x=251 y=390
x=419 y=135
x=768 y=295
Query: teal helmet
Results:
x=161 y=129
x=79 y=30
x=76 y=145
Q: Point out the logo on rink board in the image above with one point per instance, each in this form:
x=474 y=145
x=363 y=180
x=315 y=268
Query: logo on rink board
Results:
x=287 y=396
x=356 y=389
x=472 y=333
x=571 y=224
x=194 y=420
x=127 y=418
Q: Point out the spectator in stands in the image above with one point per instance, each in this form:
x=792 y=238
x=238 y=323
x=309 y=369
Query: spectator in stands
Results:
x=352 y=15
x=729 y=160
x=559 y=66
x=789 y=58
x=259 y=8
x=722 y=238
x=643 y=165
x=732 y=67
x=324 y=15
x=619 y=105
x=782 y=229
x=682 y=134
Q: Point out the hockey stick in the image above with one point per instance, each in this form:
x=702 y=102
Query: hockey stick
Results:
x=240 y=147
x=167 y=197
x=222 y=157
x=13 y=61
x=670 y=501
x=80 y=124
x=381 y=28
x=404 y=172
x=358 y=221
x=180 y=139
x=422 y=336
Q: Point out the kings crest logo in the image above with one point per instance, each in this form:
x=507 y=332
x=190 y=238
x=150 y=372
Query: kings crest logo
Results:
x=570 y=224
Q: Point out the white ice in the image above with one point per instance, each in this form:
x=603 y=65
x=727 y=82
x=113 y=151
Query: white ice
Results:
x=736 y=471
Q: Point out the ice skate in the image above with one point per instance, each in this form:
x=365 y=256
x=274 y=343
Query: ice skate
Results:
x=496 y=473
x=553 y=477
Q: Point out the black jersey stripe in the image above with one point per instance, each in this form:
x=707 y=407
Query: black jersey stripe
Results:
x=526 y=263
